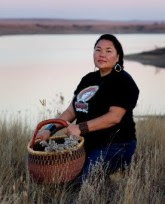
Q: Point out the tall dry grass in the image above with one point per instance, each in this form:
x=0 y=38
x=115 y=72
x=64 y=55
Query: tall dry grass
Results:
x=143 y=182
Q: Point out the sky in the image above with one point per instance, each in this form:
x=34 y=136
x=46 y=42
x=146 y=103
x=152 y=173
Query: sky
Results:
x=152 y=10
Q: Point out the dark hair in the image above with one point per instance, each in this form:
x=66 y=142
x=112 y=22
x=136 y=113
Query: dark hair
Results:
x=117 y=46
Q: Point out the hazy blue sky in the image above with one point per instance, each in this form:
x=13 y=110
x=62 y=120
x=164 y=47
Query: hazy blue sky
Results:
x=84 y=9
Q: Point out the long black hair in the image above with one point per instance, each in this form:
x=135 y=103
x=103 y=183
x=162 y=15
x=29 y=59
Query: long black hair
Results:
x=117 y=46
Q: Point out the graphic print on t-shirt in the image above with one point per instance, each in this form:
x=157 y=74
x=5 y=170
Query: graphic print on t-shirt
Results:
x=84 y=96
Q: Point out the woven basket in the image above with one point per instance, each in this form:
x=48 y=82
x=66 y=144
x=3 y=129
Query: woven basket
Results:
x=54 y=167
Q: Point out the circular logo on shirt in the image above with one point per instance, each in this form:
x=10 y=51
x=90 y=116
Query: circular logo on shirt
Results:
x=84 y=96
x=87 y=93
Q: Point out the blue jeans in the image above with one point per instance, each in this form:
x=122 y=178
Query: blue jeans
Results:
x=115 y=156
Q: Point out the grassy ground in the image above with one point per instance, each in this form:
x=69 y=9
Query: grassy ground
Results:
x=144 y=182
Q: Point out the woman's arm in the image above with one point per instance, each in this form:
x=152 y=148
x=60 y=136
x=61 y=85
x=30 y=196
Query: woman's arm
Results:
x=107 y=120
x=111 y=118
x=67 y=115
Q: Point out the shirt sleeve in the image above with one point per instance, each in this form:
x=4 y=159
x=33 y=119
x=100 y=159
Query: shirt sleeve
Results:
x=125 y=95
x=79 y=87
x=83 y=83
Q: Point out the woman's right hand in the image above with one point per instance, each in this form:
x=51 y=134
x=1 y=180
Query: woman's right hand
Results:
x=43 y=134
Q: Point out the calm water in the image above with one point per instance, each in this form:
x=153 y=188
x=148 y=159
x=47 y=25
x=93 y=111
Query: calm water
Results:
x=37 y=67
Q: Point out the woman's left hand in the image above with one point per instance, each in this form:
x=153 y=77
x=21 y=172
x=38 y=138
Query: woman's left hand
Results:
x=73 y=129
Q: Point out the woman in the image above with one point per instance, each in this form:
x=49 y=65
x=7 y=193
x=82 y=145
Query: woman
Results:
x=102 y=105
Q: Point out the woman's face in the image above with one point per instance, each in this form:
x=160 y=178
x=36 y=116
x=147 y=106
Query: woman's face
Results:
x=105 y=56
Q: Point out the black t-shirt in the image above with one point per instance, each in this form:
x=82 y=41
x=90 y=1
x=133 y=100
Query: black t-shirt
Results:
x=95 y=95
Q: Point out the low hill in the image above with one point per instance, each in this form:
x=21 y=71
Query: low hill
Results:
x=62 y=26
x=154 y=57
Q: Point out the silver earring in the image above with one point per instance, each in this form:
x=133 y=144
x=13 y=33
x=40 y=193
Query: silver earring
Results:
x=118 y=67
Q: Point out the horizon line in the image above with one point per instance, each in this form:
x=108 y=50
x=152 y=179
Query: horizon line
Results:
x=78 y=19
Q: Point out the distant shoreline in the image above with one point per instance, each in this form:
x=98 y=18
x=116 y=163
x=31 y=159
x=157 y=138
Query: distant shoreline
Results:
x=154 y=57
x=64 y=26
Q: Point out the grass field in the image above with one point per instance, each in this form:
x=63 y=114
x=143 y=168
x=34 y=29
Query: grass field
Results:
x=144 y=182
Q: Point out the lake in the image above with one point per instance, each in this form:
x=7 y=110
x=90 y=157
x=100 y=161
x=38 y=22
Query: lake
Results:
x=38 y=67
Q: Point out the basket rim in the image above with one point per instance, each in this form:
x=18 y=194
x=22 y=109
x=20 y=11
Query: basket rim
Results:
x=34 y=152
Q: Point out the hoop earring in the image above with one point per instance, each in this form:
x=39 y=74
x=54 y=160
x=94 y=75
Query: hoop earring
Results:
x=118 y=67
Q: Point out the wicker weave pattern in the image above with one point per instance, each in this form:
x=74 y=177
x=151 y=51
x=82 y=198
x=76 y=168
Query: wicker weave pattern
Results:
x=55 y=158
x=57 y=173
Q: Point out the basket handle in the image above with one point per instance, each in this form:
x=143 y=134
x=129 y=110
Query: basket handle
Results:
x=45 y=122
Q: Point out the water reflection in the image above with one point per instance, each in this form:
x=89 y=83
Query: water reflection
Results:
x=38 y=68
x=22 y=89
x=151 y=81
